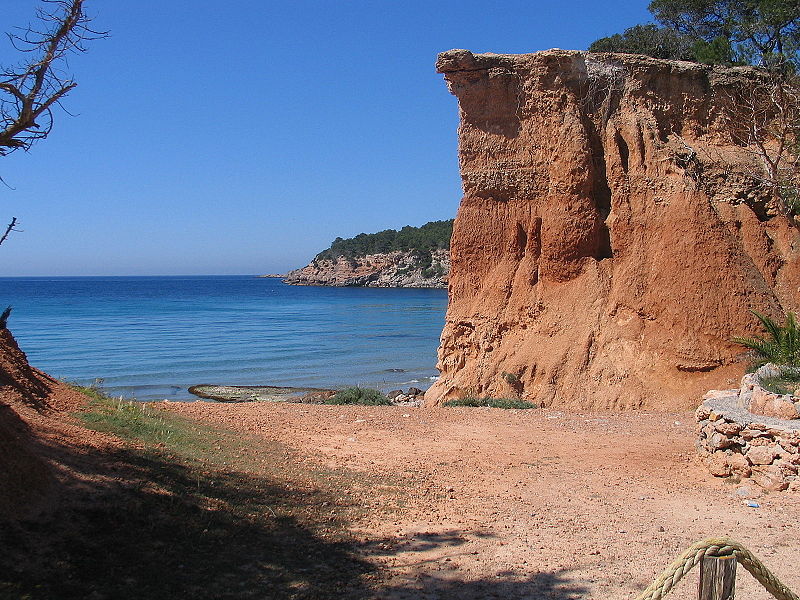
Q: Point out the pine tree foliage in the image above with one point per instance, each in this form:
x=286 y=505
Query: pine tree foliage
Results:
x=423 y=240
x=729 y=32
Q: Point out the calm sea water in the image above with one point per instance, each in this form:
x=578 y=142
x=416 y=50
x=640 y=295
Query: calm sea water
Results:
x=153 y=337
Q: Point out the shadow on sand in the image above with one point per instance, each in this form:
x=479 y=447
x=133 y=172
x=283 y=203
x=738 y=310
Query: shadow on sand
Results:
x=542 y=586
x=177 y=536
x=133 y=523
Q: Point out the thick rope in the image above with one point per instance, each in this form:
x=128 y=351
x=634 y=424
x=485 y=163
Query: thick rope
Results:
x=716 y=547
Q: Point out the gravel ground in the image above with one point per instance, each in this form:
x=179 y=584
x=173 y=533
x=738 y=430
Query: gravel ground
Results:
x=526 y=503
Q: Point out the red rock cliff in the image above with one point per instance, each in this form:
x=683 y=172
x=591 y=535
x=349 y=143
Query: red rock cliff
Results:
x=611 y=237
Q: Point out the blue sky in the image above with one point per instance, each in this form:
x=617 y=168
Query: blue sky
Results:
x=244 y=136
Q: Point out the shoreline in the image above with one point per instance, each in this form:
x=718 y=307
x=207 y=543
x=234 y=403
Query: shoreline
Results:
x=237 y=394
x=236 y=330
x=259 y=393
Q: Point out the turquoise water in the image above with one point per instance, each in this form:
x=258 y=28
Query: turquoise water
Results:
x=153 y=337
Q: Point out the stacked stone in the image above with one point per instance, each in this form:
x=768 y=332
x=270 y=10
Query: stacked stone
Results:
x=763 y=402
x=734 y=442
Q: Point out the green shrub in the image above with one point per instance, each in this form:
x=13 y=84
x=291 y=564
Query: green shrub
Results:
x=4 y=317
x=491 y=402
x=435 y=270
x=782 y=344
x=357 y=395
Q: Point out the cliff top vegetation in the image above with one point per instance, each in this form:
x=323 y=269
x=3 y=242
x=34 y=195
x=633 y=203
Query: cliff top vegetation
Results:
x=763 y=33
x=434 y=235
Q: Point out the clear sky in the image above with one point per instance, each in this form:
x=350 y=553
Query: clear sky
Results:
x=243 y=136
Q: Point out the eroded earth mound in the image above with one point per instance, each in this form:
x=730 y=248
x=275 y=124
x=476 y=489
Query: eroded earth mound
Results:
x=41 y=448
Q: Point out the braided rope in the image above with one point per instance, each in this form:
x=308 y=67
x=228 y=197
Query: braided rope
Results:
x=716 y=547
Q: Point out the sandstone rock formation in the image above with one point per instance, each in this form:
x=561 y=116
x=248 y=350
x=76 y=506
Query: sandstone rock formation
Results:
x=612 y=235
x=392 y=269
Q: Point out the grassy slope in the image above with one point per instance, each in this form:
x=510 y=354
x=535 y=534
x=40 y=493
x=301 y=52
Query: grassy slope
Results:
x=196 y=512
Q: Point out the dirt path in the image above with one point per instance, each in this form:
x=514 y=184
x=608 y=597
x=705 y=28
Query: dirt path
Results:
x=537 y=504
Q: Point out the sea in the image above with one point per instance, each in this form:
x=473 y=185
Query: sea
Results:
x=151 y=338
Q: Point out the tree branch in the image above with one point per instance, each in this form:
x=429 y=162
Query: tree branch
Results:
x=28 y=92
x=9 y=229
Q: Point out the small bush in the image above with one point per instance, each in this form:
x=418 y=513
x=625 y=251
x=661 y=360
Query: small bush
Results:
x=357 y=395
x=4 y=318
x=491 y=402
x=435 y=270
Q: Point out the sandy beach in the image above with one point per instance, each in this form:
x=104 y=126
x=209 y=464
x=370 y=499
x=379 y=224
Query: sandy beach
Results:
x=483 y=503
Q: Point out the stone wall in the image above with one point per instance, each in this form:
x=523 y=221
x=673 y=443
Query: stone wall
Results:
x=760 y=401
x=734 y=442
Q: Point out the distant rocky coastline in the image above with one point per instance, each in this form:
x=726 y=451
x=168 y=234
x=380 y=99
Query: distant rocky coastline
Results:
x=414 y=257
x=391 y=269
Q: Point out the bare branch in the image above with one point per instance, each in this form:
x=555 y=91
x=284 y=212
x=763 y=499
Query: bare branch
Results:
x=11 y=227
x=772 y=112
x=29 y=91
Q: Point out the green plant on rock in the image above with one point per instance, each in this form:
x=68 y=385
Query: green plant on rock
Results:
x=781 y=345
x=510 y=378
x=358 y=395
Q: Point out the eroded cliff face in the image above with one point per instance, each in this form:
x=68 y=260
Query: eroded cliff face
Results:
x=611 y=237
x=391 y=269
